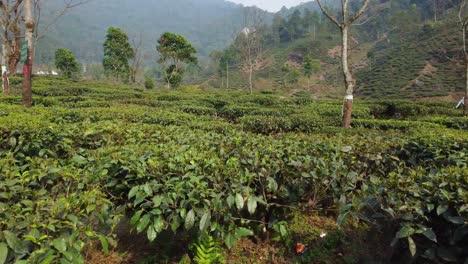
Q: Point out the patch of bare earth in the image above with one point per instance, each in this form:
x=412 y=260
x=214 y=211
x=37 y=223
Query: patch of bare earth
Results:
x=248 y=252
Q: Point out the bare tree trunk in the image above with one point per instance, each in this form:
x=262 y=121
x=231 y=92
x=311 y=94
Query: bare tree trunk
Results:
x=344 y=26
x=250 y=78
x=15 y=50
x=5 y=81
x=464 y=26
x=435 y=11
x=315 y=32
x=250 y=64
x=27 y=68
x=349 y=81
x=137 y=60
x=465 y=105
x=227 y=75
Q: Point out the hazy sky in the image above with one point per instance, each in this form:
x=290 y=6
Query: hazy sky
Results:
x=270 y=5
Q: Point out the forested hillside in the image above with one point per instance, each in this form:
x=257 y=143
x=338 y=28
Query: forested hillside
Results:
x=209 y=24
x=399 y=48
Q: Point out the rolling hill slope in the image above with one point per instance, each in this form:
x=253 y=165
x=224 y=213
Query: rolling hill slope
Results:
x=208 y=24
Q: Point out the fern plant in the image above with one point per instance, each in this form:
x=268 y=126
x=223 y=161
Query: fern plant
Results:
x=206 y=251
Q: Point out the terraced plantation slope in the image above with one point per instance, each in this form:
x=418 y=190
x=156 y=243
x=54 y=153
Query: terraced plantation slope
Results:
x=427 y=64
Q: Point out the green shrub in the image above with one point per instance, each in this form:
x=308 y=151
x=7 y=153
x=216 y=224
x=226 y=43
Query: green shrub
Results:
x=15 y=81
x=392 y=124
x=149 y=83
x=279 y=124
x=450 y=122
x=405 y=109
x=70 y=167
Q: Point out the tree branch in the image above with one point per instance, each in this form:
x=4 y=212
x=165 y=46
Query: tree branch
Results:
x=369 y=18
x=360 y=12
x=332 y=18
x=71 y=4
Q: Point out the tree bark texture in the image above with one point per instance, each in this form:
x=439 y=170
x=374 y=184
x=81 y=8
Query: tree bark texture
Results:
x=27 y=67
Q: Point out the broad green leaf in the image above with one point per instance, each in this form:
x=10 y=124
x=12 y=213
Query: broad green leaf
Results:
x=140 y=197
x=458 y=220
x=175 y=224
x=80 y=160
x=430 y=235
x=90 y=208
x=252 y=204
x=342 y=218
x=183 y=213
x=405 y=231
x=147 y=189
x=104 y=244
x=190 y=219
x=3 y=253
x=73 y=218
x=430 y=207
x=133 y=192
x=243 y=232
x=239 y=201
x=151 y=233
x=69 y=255
x=14 y=243
x=412 y=246
x=205 y=221
x=144 y=221
x=12 y=142
x=135 y=218
x=283 y=230
x=230 y=200
x=157 y=201
x=272 y=184
x=229 y=241
x=49 y=257
x=158 y=224
x=441 y=209
x=60 y=244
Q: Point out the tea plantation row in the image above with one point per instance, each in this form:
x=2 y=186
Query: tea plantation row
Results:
x=226 y=164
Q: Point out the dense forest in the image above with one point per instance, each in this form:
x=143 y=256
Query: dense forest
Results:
x=418 y=41
x=209 y=24
x=414 y=46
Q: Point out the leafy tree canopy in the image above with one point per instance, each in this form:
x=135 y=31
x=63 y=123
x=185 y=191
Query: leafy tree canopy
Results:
x=311 y=66
x=65 y=61
x=177 y=48
x=117 y=52
x=177 y=51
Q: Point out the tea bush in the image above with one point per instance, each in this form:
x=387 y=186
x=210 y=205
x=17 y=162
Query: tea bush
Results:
x=226 y=165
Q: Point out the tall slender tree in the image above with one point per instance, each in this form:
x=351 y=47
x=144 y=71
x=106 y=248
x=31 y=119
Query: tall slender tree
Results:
x=249 y=42
x=344 y=25
x=10 y=15
x=27 y=67
x=463 y=20
x=117 y=53
x=174 y=52
x=311 y=66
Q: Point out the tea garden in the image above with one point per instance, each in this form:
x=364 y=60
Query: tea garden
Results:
x=212 y=170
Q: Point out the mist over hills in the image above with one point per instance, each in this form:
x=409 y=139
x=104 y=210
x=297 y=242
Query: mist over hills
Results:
x=208 y=24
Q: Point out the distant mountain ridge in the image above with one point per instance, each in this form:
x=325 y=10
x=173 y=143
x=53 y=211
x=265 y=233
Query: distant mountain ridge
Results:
x=208 y=24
